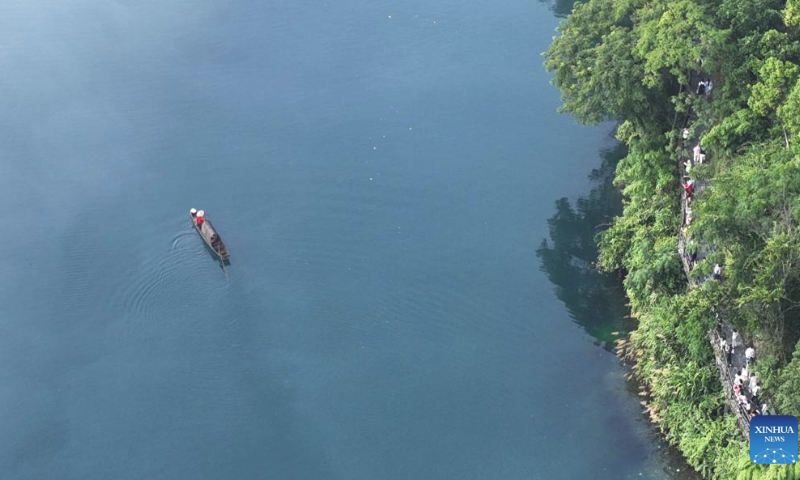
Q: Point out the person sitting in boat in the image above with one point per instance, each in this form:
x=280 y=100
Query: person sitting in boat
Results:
x=200 y=218
x=214 y=240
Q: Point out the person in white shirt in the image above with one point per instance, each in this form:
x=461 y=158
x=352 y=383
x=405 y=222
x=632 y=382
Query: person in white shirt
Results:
x=742 y=399
x=753 y=383
x=745 y=375
x=686 y=134
x=750 y=355
x=696 y=151
x=735 y=339
x=764 y=409
x=717 y=272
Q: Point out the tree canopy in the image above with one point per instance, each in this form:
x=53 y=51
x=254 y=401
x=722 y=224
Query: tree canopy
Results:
x=636 y=62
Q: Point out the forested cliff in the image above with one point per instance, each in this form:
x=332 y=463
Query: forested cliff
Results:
x=637 y=62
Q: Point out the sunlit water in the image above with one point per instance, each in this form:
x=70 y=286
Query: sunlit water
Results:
x=382 y=174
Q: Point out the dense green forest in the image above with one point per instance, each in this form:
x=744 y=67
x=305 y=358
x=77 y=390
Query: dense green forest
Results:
x=631 y=61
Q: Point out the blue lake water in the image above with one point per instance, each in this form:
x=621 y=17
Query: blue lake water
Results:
x=382 y=174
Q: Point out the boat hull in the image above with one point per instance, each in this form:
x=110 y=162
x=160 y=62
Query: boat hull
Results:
x=211 y=238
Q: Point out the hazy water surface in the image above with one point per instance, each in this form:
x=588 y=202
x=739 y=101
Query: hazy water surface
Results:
x=382 y=174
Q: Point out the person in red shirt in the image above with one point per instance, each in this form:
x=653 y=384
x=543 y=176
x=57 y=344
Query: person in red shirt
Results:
x=200 y=218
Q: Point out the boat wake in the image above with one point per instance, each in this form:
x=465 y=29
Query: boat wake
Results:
x=180 y=238
x=161 y=284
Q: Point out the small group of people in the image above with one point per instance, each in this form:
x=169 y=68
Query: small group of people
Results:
x=704 y=87
x=747 y=381
x=746 y=386
x=689 y=183
x=698 y=158
x=690 y=186
x=730 y=348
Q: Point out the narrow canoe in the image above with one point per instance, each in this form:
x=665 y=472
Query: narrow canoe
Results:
x=211 y=237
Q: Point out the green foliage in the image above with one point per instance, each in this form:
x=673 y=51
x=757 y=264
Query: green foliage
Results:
x=595 y=66
x=791 y=14
x=750 y=213
x=744 y=17
x=673 y=36
x=703 y=440
x=741 y=128
x=787 y=399
x=630 y=60
x=740 y=61
x=776 y=79
x=789 y=115
x=746 y=470
x=777 y=44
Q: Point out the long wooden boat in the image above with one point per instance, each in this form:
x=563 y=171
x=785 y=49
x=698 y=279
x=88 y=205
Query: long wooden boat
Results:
x=209 y=235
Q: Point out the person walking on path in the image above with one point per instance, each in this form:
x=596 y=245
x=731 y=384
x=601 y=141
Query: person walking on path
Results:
x=743 y=401
x=696 y=151
x=735 y=340
x=753 y=381
x=750 y=354
x=754 y=394
x=689 y=187
x=727 y=349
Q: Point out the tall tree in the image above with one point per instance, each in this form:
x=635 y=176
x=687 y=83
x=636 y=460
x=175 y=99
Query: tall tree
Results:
x=596 y=68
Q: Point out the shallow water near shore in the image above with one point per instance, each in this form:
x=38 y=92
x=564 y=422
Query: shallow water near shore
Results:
x=382 y=174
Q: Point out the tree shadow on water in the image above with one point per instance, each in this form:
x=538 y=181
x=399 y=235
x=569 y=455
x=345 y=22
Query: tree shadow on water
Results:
x=561 y=8
x=595 y=301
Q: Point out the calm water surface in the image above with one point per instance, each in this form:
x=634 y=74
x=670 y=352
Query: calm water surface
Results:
x=383 y=174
